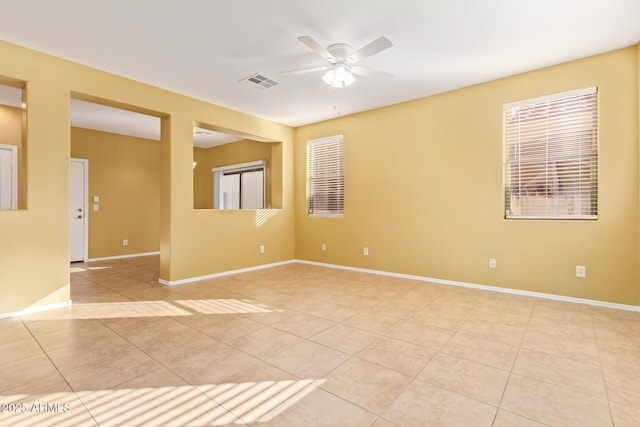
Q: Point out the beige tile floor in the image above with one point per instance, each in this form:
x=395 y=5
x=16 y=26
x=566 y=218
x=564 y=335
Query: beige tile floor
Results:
x=312 y=346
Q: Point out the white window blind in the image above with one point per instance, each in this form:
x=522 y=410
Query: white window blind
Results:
x=551 y=162
x=325 y=176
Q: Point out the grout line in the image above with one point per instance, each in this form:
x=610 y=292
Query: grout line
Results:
x=60 y=373
x=604 y=379
x=369 y=290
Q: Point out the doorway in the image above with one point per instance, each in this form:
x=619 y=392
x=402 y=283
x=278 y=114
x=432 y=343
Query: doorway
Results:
x=78 y=210
x=8 y=177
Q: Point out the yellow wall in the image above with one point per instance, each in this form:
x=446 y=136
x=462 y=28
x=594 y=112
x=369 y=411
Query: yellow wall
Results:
x=125 y=173
x=230 y=154
x=202 y=179
x=423 y=187
x=423 y=190
x=34 y=256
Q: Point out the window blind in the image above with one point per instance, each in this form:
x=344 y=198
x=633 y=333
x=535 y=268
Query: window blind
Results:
x=325 y=176
x=551 y=162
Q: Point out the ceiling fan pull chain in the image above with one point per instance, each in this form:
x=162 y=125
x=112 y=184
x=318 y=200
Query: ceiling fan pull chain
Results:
x=336 y=103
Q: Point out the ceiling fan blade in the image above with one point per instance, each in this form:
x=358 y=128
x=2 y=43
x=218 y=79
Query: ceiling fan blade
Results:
x=303 y=71
x=368 y=72
x=314 y=46
x=378 y=45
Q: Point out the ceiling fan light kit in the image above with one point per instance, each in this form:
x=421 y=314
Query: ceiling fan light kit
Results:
x=341 y=57
x=339 y=76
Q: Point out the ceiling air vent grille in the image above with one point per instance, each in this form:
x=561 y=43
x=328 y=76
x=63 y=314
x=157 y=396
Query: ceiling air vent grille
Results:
x=259 y=81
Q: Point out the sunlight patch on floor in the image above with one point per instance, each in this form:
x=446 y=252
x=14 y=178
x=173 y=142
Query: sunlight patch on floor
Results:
x=209 y=404
x=113 y=310
x=75 y=269
x=262 y=401
x=126 y=309
x=225 y=306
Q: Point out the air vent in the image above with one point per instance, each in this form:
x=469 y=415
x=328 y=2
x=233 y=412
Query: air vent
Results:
x=259 y=81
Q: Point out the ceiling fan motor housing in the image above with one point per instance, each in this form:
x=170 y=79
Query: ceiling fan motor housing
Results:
x=340 y=52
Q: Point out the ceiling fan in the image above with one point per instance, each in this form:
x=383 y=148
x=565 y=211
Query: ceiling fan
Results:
x=342 y=59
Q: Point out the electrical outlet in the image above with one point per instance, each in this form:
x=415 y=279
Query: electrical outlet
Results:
x=324 y=247
x=365 y=251
x=492 y=263
x=261 y=249
x=125 y=242
x=581 y=271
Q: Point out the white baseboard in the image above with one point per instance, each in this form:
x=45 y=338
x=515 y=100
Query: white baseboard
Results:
x=123 y=256
x=483 y=287
x=38 y=309
x=224 y=273
x=343 y=267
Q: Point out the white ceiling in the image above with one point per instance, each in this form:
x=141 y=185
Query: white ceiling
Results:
x=108 y=119
x=202 y=48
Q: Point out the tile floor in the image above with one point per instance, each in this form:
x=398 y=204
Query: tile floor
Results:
x=301 y=345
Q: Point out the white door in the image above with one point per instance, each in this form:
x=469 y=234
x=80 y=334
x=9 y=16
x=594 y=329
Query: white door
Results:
x=8 y=177
x=78 y=210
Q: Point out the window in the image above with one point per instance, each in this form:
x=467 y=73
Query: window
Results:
x=325 y=176
x=550 y=164
x=239 y=186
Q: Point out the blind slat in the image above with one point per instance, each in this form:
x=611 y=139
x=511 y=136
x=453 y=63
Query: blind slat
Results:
x=325 y=176
x=551 y=156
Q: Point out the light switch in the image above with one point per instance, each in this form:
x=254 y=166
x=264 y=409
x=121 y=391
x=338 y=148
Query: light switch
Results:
x=96 y=199
x=96 y=207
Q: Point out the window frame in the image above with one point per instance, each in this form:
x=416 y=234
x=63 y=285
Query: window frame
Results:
x=333 y=176
x=576 y=134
